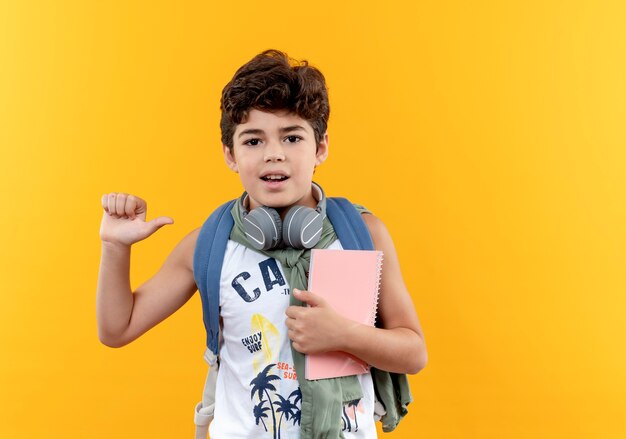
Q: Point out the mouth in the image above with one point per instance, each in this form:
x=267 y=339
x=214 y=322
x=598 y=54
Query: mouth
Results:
x=274 y=178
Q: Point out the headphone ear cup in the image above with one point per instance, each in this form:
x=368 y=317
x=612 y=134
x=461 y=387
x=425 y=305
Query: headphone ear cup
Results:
x=263 y=228
x=302 y=227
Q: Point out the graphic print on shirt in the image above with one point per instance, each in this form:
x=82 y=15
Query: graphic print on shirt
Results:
x=279 y=406
x=349 y=414
x=268 y=341
x=271 y=276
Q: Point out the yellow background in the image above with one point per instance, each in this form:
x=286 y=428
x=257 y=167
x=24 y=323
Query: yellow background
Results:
x=489 y=137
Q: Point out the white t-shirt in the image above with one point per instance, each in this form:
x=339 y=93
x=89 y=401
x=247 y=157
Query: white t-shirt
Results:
x=257 y=394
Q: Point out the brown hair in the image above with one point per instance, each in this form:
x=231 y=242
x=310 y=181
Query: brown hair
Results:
x=272 y=81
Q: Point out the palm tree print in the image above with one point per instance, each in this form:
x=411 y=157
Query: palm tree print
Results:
x=259 y=413
x=297 y=397
x=286 y=408
x=296 y=417
x=262 y=384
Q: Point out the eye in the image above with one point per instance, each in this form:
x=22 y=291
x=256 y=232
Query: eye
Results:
x=252 y=142
x=293 y=139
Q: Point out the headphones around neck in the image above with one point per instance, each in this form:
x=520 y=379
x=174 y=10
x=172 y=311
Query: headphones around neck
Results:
x=301 y=228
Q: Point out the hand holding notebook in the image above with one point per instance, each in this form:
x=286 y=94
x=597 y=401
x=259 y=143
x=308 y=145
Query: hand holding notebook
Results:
x=349 y=281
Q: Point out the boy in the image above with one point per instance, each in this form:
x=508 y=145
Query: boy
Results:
x=274 y=118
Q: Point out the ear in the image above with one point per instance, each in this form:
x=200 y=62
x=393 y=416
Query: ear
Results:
x=322 y=150
x=230 y=158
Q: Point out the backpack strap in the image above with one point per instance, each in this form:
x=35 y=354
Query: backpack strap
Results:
x=207 y=268
x=348 y=224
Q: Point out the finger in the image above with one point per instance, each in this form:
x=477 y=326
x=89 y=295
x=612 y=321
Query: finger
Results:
x=130 y=206
x=120 y=205
x=293 y=312
x=298 y=347
x=290 y=323
x=112 y=197
x=134 y=207
x=291 y=334
x=141 y=208
x=308 y=297
x=105 y=202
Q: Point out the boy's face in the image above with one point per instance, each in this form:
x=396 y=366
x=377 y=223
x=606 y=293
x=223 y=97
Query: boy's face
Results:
x=280 y=145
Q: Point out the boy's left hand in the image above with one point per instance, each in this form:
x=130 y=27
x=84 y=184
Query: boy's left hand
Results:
x=317 y=328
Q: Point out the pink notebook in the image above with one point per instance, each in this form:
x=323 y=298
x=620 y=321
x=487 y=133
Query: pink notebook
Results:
x=349 y=281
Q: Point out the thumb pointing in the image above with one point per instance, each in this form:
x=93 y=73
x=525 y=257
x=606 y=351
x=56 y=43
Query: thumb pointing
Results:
x=159 y=222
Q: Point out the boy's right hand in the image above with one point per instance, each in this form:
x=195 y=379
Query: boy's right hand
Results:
x=124 y=219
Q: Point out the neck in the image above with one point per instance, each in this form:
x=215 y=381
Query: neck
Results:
x=282 y=211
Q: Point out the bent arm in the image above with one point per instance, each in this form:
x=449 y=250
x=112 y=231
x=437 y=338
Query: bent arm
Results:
x=123 y=315
x=398 y=346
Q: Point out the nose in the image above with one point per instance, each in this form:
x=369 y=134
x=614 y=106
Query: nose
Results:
x=274 y=152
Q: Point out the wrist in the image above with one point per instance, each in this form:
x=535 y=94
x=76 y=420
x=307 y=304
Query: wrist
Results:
x=349 y=334
x=115 y=246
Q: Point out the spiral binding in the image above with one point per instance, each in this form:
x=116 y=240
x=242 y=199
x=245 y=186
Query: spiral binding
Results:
x=379 y=273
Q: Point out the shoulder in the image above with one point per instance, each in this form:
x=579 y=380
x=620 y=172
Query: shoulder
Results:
x=378 y=230
x=372 y=221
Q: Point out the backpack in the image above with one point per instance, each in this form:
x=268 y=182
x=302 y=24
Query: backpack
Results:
x=208 y=259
